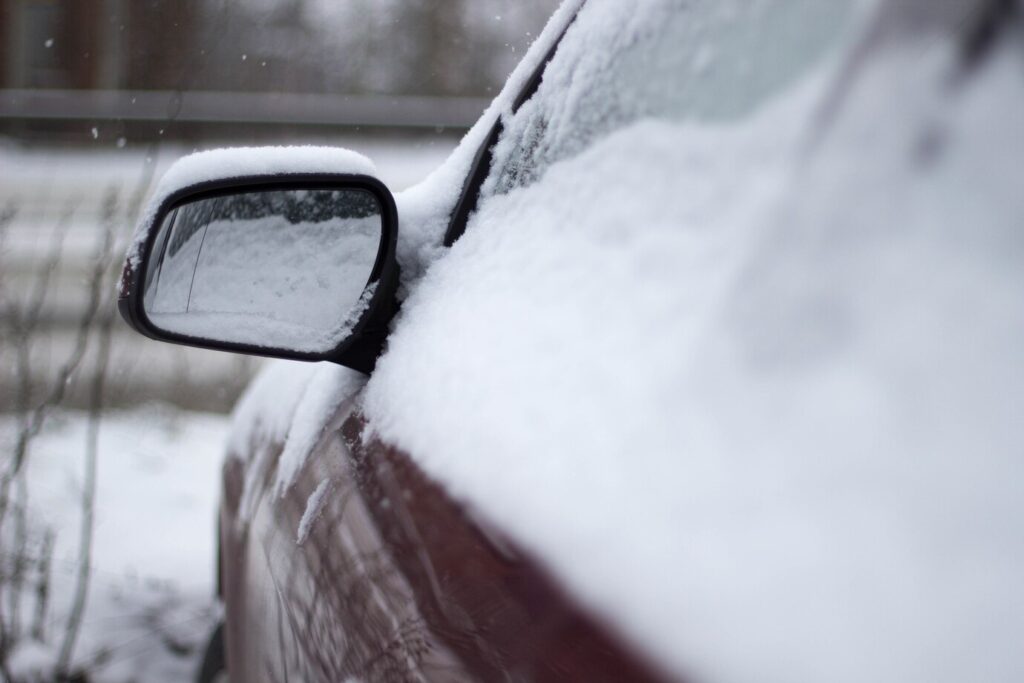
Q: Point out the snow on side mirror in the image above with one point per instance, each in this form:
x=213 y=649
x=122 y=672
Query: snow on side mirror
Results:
x=284 y=257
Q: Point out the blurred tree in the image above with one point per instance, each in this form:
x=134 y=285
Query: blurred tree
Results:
x=48 y=44
x=455 y=47
x=158 y=42
x=458 y=47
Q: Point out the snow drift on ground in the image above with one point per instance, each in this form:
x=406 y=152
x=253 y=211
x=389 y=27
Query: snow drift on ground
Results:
x=151 y=602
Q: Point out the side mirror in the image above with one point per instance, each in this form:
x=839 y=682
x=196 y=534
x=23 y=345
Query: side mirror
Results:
x=290 y=265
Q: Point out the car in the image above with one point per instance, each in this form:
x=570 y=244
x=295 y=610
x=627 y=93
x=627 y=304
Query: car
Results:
x=697 y=360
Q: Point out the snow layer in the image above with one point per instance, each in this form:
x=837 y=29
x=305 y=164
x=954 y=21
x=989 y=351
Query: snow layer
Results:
x=329 y=386
x=149 y=610
x=286 y=406
x=314 y=506
x=758 y=406
x=425 y=209
x=32 y=662
x=244 y=161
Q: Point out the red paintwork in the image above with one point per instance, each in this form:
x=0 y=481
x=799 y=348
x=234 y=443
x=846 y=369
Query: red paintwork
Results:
x=394 y=582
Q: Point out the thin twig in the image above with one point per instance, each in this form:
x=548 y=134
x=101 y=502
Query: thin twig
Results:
x=21 y=560
x=38 y=630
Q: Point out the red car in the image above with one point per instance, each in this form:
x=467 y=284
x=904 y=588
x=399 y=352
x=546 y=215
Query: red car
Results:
x=698 y=360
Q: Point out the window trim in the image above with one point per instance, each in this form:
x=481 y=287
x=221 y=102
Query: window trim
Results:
x=482 y=162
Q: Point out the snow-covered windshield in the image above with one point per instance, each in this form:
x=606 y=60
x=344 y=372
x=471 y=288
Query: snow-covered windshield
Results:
x=675 y=59
x=279 y=269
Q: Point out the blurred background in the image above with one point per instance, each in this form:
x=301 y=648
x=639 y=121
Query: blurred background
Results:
x=110 y=444
x=97 y=97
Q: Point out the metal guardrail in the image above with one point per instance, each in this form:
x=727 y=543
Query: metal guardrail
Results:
x=242 y=107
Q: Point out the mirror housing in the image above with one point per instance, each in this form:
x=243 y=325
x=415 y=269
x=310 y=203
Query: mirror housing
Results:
x=357 y=338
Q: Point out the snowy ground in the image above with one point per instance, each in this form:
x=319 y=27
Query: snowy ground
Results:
x=151 y=603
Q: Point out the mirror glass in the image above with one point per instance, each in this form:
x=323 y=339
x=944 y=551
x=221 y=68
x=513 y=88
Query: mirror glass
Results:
x=285 y=269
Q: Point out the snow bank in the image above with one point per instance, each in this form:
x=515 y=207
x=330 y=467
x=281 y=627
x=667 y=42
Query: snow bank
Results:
x=149 y=609
x=757 y=406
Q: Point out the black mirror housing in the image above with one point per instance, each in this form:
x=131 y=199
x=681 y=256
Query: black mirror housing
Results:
x=362 y=338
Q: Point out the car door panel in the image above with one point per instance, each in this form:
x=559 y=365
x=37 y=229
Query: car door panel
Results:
x=390 y=579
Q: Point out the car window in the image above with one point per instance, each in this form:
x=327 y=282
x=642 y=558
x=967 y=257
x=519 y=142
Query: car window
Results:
x=701 y=60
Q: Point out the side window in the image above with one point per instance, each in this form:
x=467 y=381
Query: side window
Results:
x=700 y=60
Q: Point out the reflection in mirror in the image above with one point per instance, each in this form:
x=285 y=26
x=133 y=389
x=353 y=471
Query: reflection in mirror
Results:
x=283 y=269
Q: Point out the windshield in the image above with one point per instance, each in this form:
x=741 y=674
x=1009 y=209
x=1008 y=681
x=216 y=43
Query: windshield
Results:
x=675 y=59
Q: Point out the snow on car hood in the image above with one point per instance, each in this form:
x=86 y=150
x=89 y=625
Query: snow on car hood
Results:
x=757 y=406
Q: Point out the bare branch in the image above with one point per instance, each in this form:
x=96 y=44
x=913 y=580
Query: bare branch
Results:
x=21 y=556
x=30 y=316
x=7 y=215
x=43 y=586
x=34 y=422
x=32 y=419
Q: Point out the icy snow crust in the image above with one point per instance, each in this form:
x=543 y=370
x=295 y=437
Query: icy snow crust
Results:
x=237 y=162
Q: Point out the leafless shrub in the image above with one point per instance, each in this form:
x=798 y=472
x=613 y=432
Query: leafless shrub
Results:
x=42 y=587
x=26 y=552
